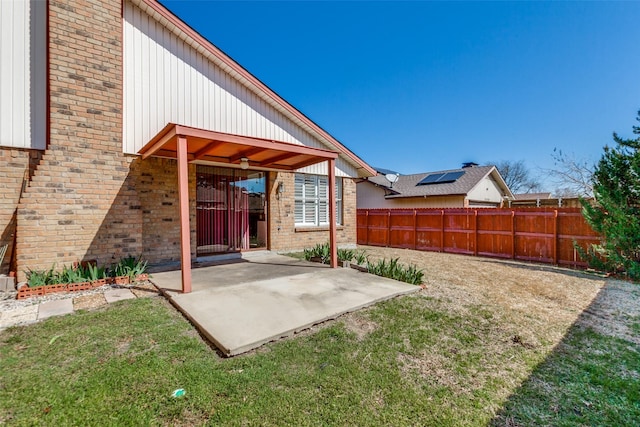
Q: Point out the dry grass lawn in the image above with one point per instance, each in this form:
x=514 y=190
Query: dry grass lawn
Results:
x=542 y=301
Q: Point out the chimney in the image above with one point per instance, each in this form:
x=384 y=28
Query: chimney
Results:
x=469 y=165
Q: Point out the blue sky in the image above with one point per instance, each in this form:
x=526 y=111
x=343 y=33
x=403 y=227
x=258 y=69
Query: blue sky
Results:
x=422 y=86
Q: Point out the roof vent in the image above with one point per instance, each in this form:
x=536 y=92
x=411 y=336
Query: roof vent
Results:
x=469 y=165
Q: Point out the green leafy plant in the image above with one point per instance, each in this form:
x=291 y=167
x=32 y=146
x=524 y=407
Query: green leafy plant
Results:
x=346 y=254
x=130 y=266
x=361 y=257
x=72 y=275
x=36 y=278
x=93 y=272
x=394 y=270
x=318 y=251
x=323 y=251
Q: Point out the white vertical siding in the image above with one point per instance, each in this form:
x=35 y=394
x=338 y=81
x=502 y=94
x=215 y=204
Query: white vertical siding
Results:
x=22 y=73
x=166 y=80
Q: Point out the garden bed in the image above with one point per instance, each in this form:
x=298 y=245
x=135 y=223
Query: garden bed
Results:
x=83 y=276
x=27 y=292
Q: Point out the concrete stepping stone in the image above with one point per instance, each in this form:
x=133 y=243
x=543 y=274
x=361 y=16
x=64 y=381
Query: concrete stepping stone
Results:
x=115 y=295
x=19 y=315
x=55 y=308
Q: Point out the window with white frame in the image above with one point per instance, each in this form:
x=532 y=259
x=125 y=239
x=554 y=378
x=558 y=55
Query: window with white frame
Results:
x=312 y=200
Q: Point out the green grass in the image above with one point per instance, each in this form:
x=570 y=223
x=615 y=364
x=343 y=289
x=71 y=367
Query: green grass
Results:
x=589 y=379
x=408 y=361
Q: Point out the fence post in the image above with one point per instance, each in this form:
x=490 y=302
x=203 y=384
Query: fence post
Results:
x=555 y=237
x=415 y=229
x=389 y=228
x=513 y=234
x=367 y=224
x=475 y=239
x=442 y=230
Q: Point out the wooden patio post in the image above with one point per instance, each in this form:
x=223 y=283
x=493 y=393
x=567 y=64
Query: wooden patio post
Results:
x=183 y=197
x=475 y=229
x=331 y=164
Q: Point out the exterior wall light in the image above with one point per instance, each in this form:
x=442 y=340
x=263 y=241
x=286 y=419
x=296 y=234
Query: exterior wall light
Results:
x=279 y=189
x=244 y=163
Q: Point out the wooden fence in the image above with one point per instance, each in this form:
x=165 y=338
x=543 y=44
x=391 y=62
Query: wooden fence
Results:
x=542 y=235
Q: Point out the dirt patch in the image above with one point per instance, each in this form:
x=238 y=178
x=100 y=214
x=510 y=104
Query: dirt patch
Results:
x=359 y=325
x=615 y=312
x=89 y=302
x=144 y=290
x=433 y=369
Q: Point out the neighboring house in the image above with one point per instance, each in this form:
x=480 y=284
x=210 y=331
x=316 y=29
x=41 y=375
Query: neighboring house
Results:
x=123 y=131
x=467 y=187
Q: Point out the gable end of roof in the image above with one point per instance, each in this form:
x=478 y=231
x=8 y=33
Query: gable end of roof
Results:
x=182 y=30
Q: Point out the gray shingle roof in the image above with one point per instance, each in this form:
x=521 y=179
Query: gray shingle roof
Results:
x=406 y=185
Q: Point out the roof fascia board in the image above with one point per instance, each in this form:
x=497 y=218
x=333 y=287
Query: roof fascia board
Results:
x=499 y=180
x=496 y=173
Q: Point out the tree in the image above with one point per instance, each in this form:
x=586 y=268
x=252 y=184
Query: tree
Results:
x=517 y=176
x=615 y=214
x=572 y=176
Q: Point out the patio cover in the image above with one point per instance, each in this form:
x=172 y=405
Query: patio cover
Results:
x=187 y=144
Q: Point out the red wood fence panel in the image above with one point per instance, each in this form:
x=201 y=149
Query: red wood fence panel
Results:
x=544 y=235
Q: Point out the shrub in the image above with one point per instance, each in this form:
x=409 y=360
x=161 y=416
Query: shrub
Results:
x=95 y=273
x=323 y=251
x=130 y=266
x=318 y=251
x=72 y=275
x=346 y=254
x=37 y=278
x=361 y=257
x=615 y=214
x=394 y=270
x=90 y=272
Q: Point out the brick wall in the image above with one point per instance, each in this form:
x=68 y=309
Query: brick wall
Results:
x=81 y=203
x=18 y=166
x=157 y=185
x=86 y=199
x=284 y=236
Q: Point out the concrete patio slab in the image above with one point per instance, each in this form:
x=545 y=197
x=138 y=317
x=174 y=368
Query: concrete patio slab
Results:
x=55 y=308
x=283 y=296
x=114 y=295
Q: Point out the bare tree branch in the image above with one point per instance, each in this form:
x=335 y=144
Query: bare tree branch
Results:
x=517 y=176
x=572 y=176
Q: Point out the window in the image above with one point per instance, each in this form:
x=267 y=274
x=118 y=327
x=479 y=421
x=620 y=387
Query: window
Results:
x=312 y=200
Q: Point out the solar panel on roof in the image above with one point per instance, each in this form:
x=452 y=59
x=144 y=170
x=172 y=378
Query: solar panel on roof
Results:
x=430 y=179
x=441 y=178
x=451 y=176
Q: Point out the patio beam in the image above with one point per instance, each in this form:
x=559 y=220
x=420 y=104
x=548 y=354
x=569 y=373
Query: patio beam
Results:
x=183 y=198
x=206 y=149
x=159 y=141
x=275 y=159
x=246 y=153
x=307 y=162
x=331 y=164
